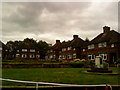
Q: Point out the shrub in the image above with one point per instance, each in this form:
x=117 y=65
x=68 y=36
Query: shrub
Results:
x=118 y=61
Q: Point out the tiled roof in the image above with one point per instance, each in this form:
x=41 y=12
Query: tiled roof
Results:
x=56 y=46
x=65 y=44
x=110 y=37
x=77 y=42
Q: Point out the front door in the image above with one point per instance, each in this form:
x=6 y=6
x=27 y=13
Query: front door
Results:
x=113 y=58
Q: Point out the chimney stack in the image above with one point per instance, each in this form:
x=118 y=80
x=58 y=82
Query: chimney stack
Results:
x=57 y=41
x=106 y=29
x=75 y=36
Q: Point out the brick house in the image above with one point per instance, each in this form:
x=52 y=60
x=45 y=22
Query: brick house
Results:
x=27 y=51
x=66 y=50
x=4 y=51
x=72 y=49
x=53 y=52
x=106 y=45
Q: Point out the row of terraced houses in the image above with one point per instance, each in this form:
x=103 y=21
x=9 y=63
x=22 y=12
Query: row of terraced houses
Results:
x=106 y=45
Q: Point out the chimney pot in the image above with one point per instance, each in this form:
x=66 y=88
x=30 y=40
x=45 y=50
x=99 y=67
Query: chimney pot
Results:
x=57 y=41
x=75 y=36
x=106 y=29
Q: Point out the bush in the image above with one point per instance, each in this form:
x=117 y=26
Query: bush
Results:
x=118 y=61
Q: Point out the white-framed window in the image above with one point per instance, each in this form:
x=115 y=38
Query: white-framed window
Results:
x=74 y=48
x=24 y=56
x=104 y=56
x=60 y=56
x=24 y=50
x=0 y=48
x=112 y=45
x=17 y=55
x=91 y=57
x=103 y=44
x=74 y=55
x=18 y=51
x=64 y=57
x=38 y=56
x=54 y=55
x=32 y=56
x=51 y=56
x=69 y=56
x=91 y=46
x=32 y=50
x=51 y=50
x=69 y=48
x=83 y=50
x=63 y=49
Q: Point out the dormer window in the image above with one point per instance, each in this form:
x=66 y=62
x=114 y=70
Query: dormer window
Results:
x=91 y=46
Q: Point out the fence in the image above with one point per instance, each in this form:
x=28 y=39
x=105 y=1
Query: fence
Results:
x=57 y=84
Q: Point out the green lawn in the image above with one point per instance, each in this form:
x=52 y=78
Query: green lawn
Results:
x=57 y=75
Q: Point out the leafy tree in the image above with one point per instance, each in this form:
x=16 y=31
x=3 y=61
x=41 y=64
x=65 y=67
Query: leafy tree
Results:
x=87 y=40
x=43 y=47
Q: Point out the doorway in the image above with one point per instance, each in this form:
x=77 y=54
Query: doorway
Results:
x=113 y=58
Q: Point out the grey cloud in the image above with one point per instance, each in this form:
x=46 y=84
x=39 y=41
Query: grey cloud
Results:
x=56 y=20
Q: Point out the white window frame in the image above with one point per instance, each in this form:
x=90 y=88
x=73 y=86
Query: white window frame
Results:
x=38 y=56
x=91 y=57
x=112 y=45
x=103 y=44
x=69 y=56
x=64 y=57
x=91 y=46
x=24 y=50
x=83 y=50
x=32 y=50
x=74 y=55
x=103 y=56
x=0 y=48
x=0 y=54
x=51 y=56
x=69 y=48
x=74 y=48
x=18 y=50
x=24 y=55
x=32 y=56
x=63 y=49
x=17 y=55
x=51 y=50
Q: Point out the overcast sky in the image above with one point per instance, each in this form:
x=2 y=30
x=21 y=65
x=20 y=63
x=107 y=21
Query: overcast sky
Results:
x=49 y=21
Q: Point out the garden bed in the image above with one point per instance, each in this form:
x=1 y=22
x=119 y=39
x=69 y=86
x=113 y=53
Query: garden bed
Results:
x=44 y=65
